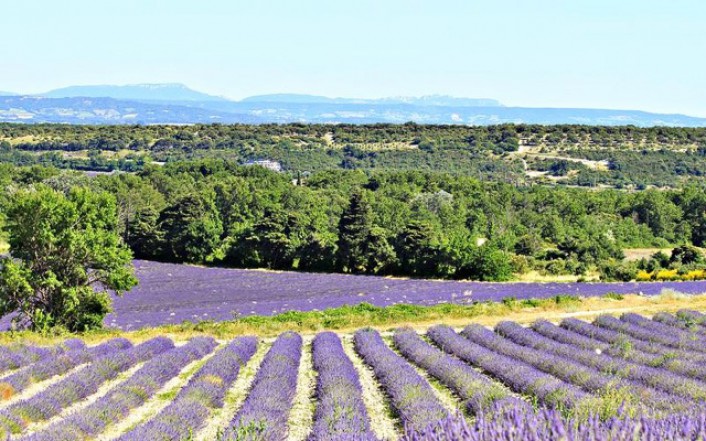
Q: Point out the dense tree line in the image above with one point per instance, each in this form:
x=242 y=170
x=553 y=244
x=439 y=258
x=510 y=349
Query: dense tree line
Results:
x=410 y=223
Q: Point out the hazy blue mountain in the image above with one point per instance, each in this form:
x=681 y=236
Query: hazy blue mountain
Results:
x=293 y=98
x=134 y=92
x=82 y=110
x=355 y=113
x=429 y=100
x=4 y=93
x=441 y=100
x=177 y=104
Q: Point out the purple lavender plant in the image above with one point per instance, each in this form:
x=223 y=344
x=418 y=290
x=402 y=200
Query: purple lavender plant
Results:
x=687 y=335
x=57 y=364
x=678 y=322
x=614 y=391
x=52 y=400
x=16 y=356
x=477 y=390
x=644 y=375
x=550 y=425
x=265 y=411
x=650 y=335
x=622 y=348
x=130 y=394
x=519 y=376
x=160 y=300
x=181 y=419
x=691 y=316
x=410 y=395
x=340 y=411
x=627 y=342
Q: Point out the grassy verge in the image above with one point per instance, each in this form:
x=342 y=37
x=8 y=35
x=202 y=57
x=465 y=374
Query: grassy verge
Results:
x=350 y=318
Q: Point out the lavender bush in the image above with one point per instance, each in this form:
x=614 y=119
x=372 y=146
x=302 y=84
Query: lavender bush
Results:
x=52 y=400
x=340 y=411
x=410 y=395
x=519 y=376
x=117 y=403
x=184 y=416
x=687 y=336
x=654 y=377
x=550 y=425
x=651 y=335
x=691 y=316
x=17 y=356
x=626 y=379
x=627 y=342
x=57 y=364
x=681 y=323
x=613 y=391
x=622 y=348
x=477 y=390
x=266 y=410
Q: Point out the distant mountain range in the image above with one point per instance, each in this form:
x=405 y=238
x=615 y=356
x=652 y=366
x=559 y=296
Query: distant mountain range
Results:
x=81 y=110
x=134 y=92
x=178 y=104
x=430 y=100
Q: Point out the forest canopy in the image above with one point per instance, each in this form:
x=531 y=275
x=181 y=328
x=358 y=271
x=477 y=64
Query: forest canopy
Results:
x=406 y=223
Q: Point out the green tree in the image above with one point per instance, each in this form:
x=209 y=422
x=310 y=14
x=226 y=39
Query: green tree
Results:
x=418 y=250
x=66 y=254
x=485 y=263
x=655 y=210
x=135 y=197
x=191 y=227
x=353 y=228
x=144 y=236
x=268 y=243
x=362 y=247
x=317 y=254
x=378 y=254
x=686 y=255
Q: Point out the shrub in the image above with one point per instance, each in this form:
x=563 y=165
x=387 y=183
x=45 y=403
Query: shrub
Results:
x=698 y=274
x=621 y=271
x=667 y=275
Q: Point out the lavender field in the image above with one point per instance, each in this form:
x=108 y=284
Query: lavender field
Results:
x=171 y=293
x=619 y=379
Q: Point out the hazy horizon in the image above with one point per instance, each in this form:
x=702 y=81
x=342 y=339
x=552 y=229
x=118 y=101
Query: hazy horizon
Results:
x=641 y=55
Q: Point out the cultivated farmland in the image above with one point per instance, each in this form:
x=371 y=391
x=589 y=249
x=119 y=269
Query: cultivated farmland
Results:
x=618 y=378
x=171 y=294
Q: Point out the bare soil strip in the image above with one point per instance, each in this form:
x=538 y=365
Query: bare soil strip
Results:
x=301 y=418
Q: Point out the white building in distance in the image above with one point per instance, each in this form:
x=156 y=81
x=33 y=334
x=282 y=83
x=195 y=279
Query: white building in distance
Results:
x=271 y=165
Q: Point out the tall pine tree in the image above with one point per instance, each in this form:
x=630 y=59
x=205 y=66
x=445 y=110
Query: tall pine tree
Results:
x=362 y=247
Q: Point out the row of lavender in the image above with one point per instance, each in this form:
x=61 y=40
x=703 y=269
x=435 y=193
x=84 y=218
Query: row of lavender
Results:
x=540 y=380
x=628 y=378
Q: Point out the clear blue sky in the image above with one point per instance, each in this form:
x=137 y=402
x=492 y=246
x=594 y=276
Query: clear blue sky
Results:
x=634 y=54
